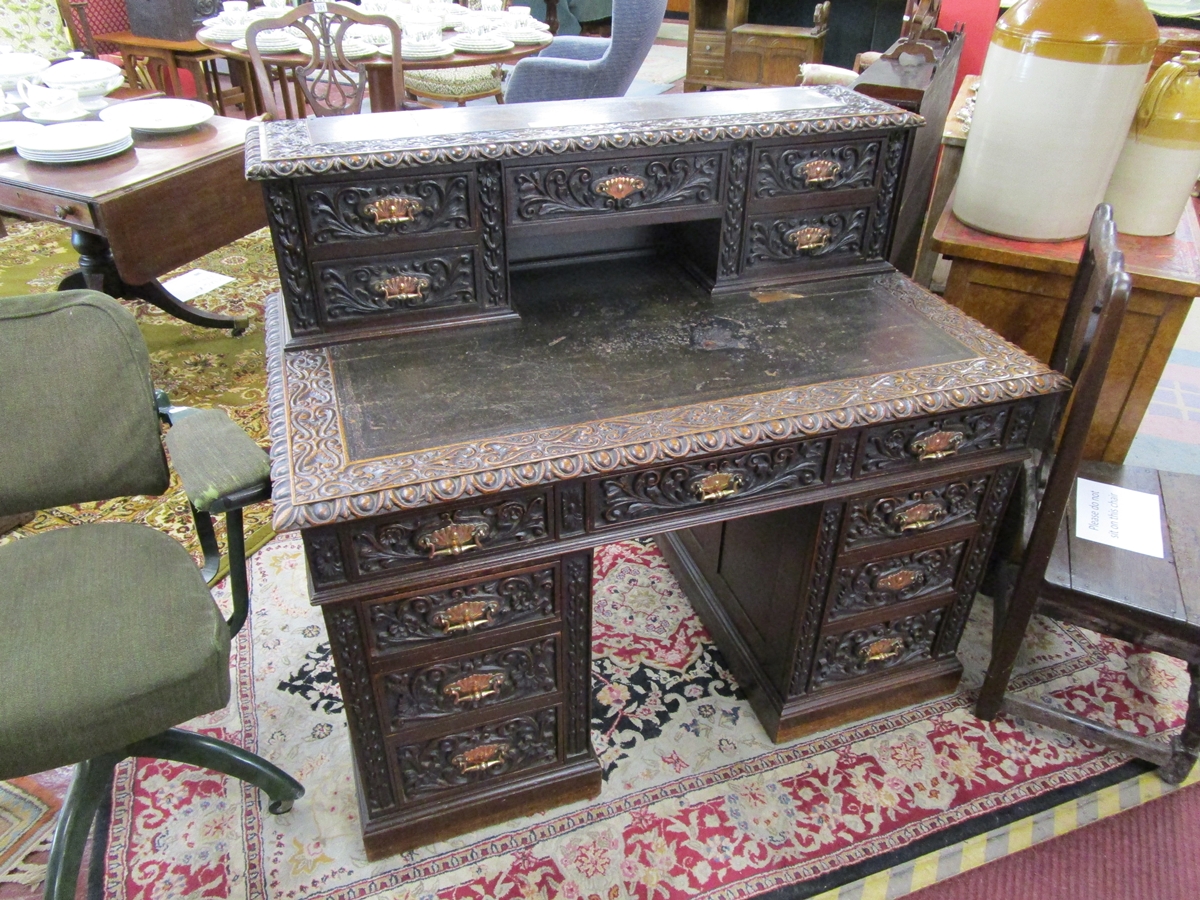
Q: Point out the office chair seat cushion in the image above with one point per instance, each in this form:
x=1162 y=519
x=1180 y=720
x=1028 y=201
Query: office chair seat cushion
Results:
x=215 y=457
x=109 y=636
x=471 y=81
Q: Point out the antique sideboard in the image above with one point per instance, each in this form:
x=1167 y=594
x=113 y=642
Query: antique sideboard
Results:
x=507 y=336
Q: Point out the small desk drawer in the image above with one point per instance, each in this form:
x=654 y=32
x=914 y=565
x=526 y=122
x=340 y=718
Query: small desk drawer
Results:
x=46 y=206
x=863 y=652
x=790 y=170
x=477 y=756
x=902 y=513
x=813 y=239
x=467 y=683
x=923 y=441
x=615 y=187
x=892 y=579
x=619 y=499
x=339 y=211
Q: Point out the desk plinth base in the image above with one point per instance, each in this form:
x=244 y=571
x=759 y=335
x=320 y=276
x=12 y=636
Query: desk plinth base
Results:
x=578 y=779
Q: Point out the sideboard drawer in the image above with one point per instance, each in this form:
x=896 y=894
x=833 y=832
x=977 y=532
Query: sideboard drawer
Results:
x=891 y=579
x=477 y=756
x=789 y=170
x=22 y=200
x=901 y=513
x=811 y=239
x=863 y=652
x=622 y=187
x=397 y=286
x=922 y=441
x=619 y=499
x=335 y=212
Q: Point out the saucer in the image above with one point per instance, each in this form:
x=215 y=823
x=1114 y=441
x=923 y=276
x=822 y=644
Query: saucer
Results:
x=50 y=118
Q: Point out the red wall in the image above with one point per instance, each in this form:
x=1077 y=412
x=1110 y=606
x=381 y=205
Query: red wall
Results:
x=979 y=16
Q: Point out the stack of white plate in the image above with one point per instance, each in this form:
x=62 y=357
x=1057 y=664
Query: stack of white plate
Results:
x=74 y=142
x=352 y=48
x=223 y=32
x=282 y=40
x=379 y=35
x=526 y=36
x=481 y=43
x=422 y=51
x=158 y=115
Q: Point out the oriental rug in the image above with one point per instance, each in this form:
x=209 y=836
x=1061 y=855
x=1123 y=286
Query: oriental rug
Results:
x=696 y=801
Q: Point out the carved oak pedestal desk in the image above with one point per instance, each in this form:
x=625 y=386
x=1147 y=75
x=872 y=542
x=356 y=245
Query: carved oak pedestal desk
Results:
x=667 y=317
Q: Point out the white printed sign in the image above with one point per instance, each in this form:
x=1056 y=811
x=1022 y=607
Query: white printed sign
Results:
x=192 y=284
x=1118 y=517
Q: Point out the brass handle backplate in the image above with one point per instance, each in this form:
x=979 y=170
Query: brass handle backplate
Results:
x=465 y=617
x=886 y=648
x=717 y=486
x=480 y=759
x=394 y=210
x=403 y=287
x=809 y=238
x=451 y=540
x=919 y=517
x=898 y=579
x=475 y=687
x=938 y=445
x=818 y=171
x=619 y=186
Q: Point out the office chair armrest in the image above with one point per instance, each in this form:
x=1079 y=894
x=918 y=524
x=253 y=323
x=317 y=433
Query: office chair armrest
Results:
x=220 y=466
x=571 y=47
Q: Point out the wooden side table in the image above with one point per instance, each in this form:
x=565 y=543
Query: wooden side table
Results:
x=1019 y=289
x=171 y=56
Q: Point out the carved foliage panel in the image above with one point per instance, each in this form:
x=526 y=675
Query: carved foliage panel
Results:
x=591 y=188
x=366 y=289
x=829 y=237
x=291 y=255
x=397 y=206
x=577 y=603
x=688 y=485
x=473 y=682
x=439 y=614
x=865 y=651
x=478 y=755
x=896 y=579
x=784 y=171
x=939 y=437
x=900 y=513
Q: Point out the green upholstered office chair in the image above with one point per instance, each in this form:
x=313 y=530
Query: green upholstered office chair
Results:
x=109 y=636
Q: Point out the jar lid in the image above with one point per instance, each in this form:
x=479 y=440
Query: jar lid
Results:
x=1169 y=109
x=1103 y=32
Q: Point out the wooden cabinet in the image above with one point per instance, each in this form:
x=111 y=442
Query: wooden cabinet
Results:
x=726 y=51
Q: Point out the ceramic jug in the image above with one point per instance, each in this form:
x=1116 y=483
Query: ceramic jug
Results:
x=1059 y=87
x=1158 y=167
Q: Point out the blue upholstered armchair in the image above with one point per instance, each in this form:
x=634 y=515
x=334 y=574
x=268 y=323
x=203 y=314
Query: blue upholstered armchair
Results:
x=574 y=68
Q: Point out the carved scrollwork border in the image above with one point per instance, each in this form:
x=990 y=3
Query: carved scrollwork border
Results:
x=285 y=149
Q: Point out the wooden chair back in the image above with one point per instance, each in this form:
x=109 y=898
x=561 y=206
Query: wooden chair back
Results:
x=331 y=84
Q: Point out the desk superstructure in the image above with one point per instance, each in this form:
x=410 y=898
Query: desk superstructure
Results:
x=823 y=449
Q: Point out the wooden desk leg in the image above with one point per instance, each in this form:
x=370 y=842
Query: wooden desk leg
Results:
x=98 y=272
x=379 y=89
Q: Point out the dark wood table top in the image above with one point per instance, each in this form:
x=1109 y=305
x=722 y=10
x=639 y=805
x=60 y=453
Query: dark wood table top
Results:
x=129 y=39
x=380 y=60
x=649 y=367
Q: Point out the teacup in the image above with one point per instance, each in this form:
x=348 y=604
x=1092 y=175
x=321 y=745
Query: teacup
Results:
x=236 y=9
x=422 y=31
x=519 y=18
x=275 y=4
x=492 y=6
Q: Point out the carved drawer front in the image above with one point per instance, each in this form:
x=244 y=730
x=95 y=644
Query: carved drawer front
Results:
x=625 y=186
x=902 y=513
x=402 y=623
x=660 y=491
x=814 y=169
x=468 y=683
x=478 y=756
x=922 y=441
x=427 y=204
x=848 y=655
x=811 y=239
x=394 y=286
x=382 y=546
x=894 y=579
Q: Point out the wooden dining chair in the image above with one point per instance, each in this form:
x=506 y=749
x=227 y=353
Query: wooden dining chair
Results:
x=329 y=83
x=1153 y=603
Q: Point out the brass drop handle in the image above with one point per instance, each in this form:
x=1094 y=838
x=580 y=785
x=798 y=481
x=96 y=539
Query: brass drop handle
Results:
x=403 y=287
x=819 y=171
x=64 y=211
x=877 y=651
x=618 y=187
x=475 y=687
x=809 y=238
x=451 y=540
x=393 y=210
x=938 y=445
x=480 y=759
x=920 y=516
x=899 y=579
x=465 y=617
x=717 y=486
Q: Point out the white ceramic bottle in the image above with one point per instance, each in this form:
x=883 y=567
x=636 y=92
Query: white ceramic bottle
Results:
x=1156 y=172
x=1059 y=87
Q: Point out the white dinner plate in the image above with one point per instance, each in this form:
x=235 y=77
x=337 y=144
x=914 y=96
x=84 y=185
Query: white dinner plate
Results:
x=74 y=137
x=488 y=44
x=158 y=115
x=51 y=119
x=11 y=132
x=532 y=36
x=280 y=45
x=92 y=156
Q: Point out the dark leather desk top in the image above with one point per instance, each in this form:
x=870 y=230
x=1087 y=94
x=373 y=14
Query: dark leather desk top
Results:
x=654 y=371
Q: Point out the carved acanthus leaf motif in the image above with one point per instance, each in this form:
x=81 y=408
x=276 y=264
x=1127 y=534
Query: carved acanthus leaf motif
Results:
x=883 y=646
x=806 y=236
x=415 y=206
x=354 y=290
x=779 y=172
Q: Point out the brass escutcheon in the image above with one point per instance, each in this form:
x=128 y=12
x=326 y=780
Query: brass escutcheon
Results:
x=919 y=517
x=886 y=648
x=394 y=210
x=475 y=687
x=898 y=579
x=818 y=171
x=717 y=486
x=810 y=238
x=465 y=617
x=619 y=186
x=938 y=445
x=480 y=759
x=403 y=287
x=451 y=540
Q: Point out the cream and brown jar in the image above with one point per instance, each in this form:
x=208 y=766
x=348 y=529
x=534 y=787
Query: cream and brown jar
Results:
x=1060 y=84
x=1158 y=167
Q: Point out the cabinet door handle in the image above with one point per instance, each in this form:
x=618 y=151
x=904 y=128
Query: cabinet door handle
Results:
x=451 y=540
x=475 y=687
x=938 y=445
x=819 y=171
x=481 y=758
x=717 y=486
x=809 y=238
x=393 y=210
x=619 y=186
x=877 y=651
x=465 y=617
